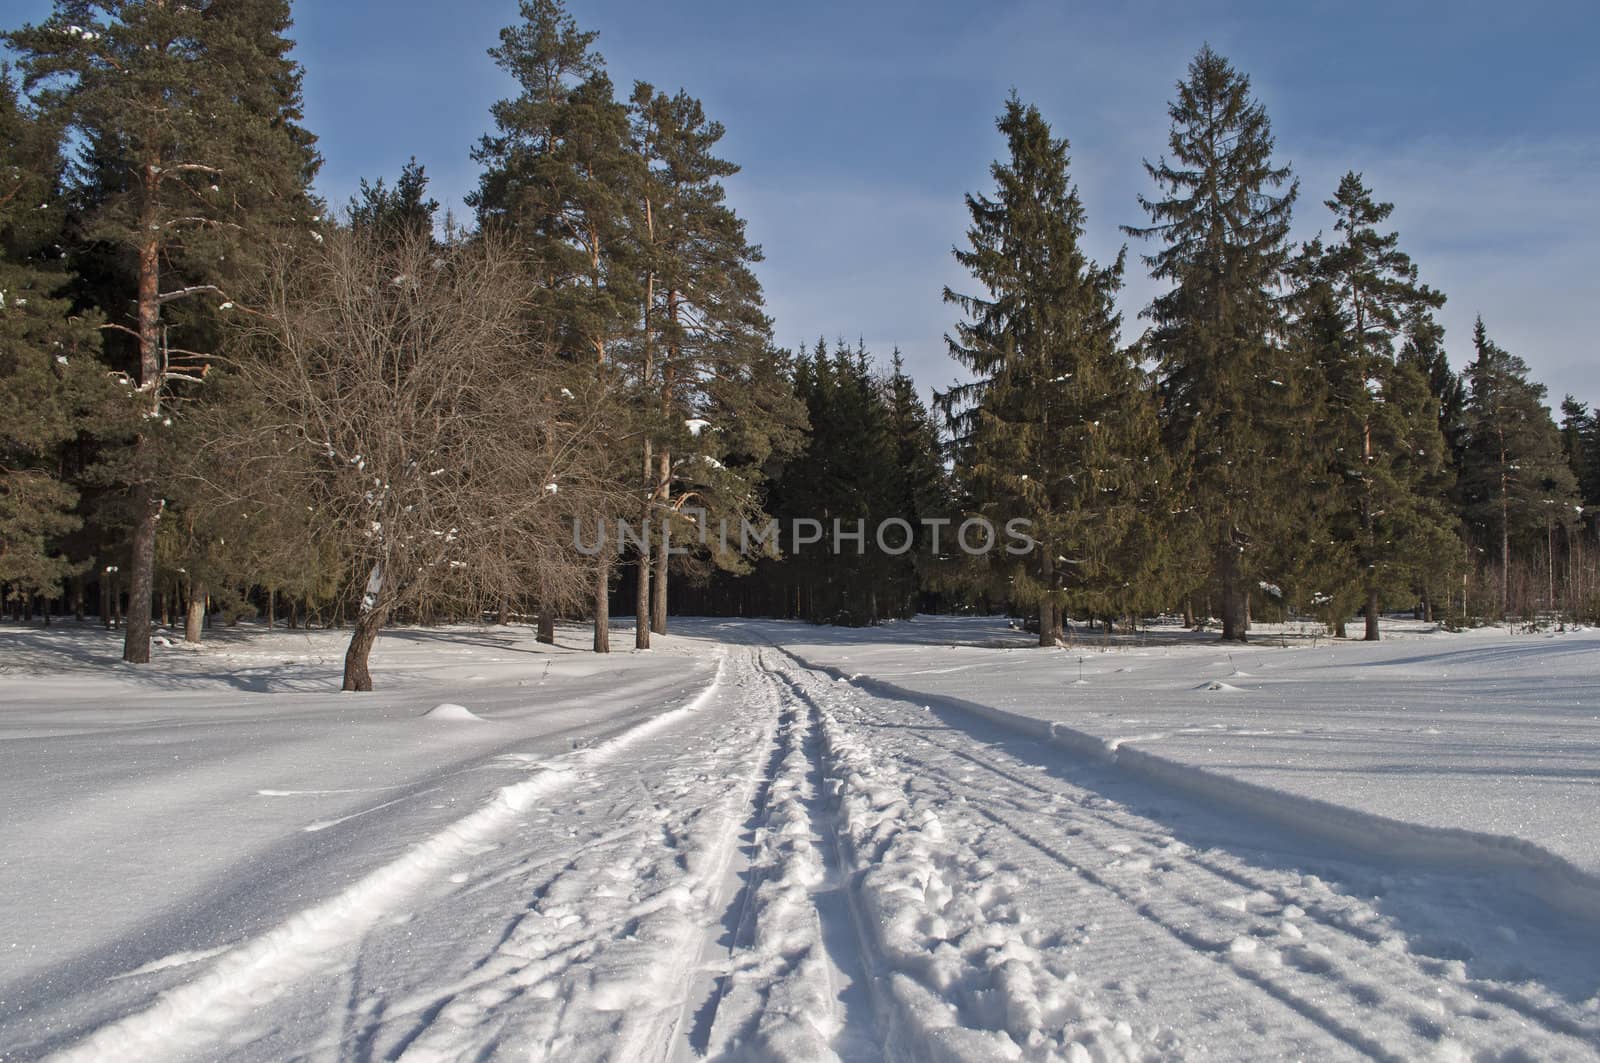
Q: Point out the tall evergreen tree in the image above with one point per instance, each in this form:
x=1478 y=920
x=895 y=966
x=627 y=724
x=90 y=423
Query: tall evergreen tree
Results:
x=1386 y=505
x=192 y=156
x=1229 y=394
x=1056 y=424
x=560 y=175
x=1516 y=486
x=705 y=332
x=51 y=380
x=919 y=488
x=1580 y=441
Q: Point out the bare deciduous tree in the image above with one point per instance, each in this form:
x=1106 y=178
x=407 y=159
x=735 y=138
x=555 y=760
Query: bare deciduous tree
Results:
x=395 y=389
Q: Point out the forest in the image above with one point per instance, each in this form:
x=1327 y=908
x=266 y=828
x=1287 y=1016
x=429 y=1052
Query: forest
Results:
x=223 y=398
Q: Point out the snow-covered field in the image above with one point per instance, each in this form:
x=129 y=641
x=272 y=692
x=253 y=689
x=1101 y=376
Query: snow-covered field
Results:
x=773 y=841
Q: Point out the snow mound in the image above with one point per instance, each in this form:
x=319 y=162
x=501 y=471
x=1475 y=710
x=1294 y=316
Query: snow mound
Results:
x=1218 y=685
x=451 y=711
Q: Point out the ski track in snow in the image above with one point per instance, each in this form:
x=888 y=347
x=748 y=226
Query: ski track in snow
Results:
x=792 y=867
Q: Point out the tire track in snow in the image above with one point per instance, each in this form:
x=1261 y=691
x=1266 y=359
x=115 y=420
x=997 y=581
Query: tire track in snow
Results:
x=196 y=1013
x=1358 y=984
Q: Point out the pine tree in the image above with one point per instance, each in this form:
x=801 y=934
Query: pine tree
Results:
x=1387 y=514
x=560 y=176
x=192 y=157
x=1516 y=486
x=1229 y=394
x=51 y=380
x=1055 y=426
x=705 y=335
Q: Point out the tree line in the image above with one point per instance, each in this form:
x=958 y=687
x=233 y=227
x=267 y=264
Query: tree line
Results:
x=230 y=397
x=221 y=396
x=1285 y=435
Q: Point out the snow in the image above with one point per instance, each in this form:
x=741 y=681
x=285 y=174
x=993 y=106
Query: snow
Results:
x=764 y=840
x=1481 y=731
x=451 y=712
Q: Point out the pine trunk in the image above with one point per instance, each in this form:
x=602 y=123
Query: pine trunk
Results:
x=195 y=618
x=658 y=602
x=1048 y=623
x=547 y=626
x=136 y=639
x=642 y=561
x=1234 y=608
x=1372 y=615
x=146 y=507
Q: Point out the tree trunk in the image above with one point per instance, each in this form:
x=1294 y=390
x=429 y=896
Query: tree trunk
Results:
x=658 y=603
x=602 y=605
x=1048 y=624
x=194 y=622
x=77 y=598
x=136 y=639
x=547 y=626
x=357 y=676
x=1372 y=615
x=272 y=602
x=146 y=506
x=369 y=620
x=1233 y=596
x=642 y=618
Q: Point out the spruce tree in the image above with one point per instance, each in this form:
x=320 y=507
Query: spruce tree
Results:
x=1055 y=427
x=1386 y=508
x=1516 y=486
x=402 y=209
x=1229 y=393
x=918 y=488
x=192 y=161
x=1580 y=441
x=52 y=384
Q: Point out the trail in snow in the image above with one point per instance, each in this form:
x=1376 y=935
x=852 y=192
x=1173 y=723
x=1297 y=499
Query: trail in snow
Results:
x=1088 y=927
x=796 y=867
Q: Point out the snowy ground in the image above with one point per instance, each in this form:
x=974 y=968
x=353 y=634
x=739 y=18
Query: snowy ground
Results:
x=771 y=841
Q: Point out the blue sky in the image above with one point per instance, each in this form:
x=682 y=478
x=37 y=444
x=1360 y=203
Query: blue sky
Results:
x=860 y=125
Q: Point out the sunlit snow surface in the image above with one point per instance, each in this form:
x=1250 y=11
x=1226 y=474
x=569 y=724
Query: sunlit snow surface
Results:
x=928 y=840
